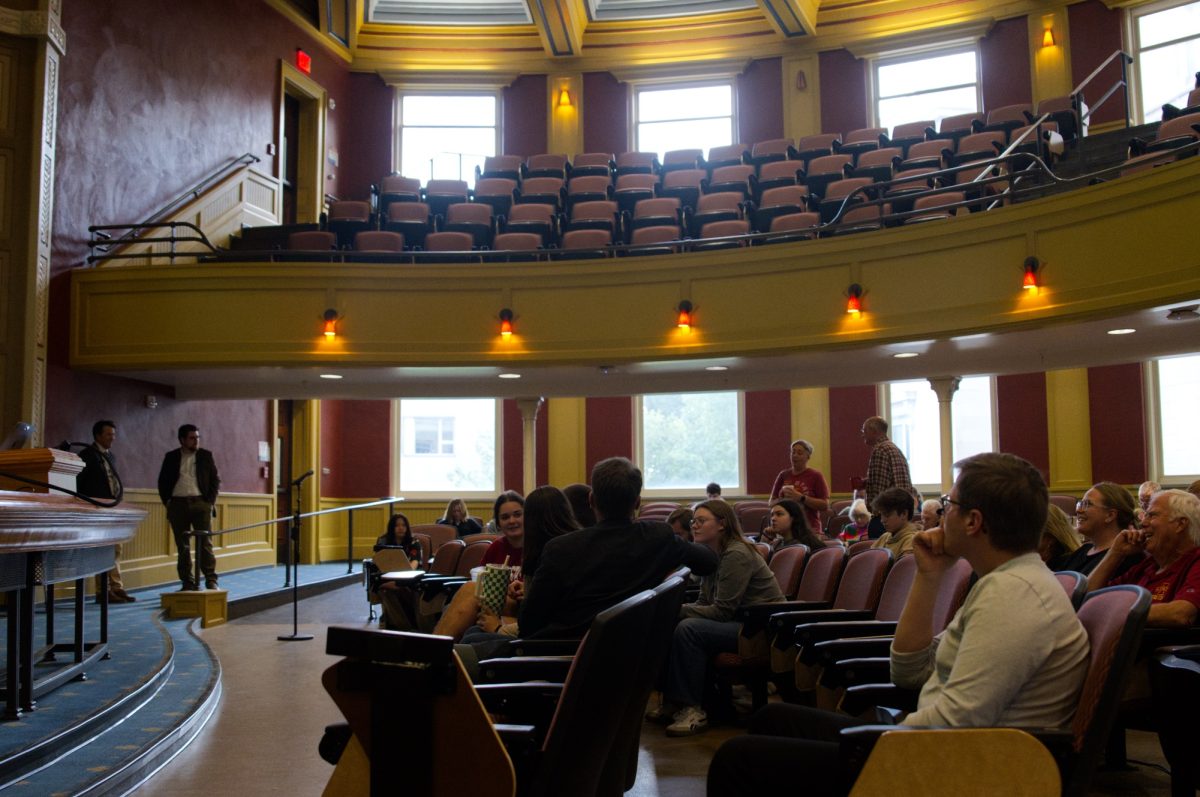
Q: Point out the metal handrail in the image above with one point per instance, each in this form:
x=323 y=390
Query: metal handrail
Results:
x=220 y=173
x=289 y=518
x=100 y=240
x=1077 y=93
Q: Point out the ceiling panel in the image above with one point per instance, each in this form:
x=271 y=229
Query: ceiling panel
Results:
x=449 y=12
x=609 y=10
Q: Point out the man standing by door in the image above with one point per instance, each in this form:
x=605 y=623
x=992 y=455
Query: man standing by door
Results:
x=188 y=485
x=99 y=479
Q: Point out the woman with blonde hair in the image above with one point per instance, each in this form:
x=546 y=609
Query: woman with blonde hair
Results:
x=457 y=516
x=1104 y=512
x=1059 y=539
x=707 y=627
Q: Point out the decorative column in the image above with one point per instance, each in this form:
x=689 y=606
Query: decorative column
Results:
x=529 y=411
x=945 y=387
x=32 y=43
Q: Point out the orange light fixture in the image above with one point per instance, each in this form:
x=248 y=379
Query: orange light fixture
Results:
x=684 y=320
x=1048 y=37
x=564 y=98
x=330 y=327
x=1030 y=282
x=854 y=299
x=506 y=325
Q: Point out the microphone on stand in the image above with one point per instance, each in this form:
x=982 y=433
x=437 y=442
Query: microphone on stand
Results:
x=296 y=482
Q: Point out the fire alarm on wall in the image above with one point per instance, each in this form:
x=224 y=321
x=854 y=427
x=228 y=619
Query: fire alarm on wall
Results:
x=151 y=402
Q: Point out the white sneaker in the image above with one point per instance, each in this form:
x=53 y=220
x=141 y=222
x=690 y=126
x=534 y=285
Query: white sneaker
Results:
x=659 y=710
x=688 y=721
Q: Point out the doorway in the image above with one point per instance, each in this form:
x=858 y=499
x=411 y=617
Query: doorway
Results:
x=301 y=146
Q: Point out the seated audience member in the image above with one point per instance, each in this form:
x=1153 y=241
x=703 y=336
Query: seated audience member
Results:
x=894 y=506
x=707 y=627
x=1170 y=538
x=392 y=598
x=1100 y=515
x=456 y=516
x=580 y=575
x=680 y=522
x=931 y=513
x=860 y=522
x=1059 y=539
x=1146 y=491
x=579 y=495
x=547 y=515
x=713 y=491
x=804 y=485
x=1014 y=655
x=1194 y=488
x=789 y=526
x=509 y=515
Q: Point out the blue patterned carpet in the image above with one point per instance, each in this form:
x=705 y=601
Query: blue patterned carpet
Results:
x=157 y=667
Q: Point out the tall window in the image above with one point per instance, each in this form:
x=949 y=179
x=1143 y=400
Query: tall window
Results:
x=447 y=446
x=689 y=440
x=445 y=137
x=1177 y=386
x=1166 y=42
x=915 y=88
x=693 y=117
x=915 y=428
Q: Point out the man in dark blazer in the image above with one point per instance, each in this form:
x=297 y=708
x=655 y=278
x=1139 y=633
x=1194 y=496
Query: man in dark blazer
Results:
x=188 y=485
x=99 y=479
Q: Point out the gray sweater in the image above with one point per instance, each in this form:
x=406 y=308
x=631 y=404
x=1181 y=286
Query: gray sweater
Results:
x=742 y=579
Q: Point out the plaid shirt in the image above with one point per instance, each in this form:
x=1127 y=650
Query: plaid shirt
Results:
x=887 y=468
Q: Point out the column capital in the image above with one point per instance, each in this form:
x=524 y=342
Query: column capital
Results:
x=45 y=23
x=944 y=387
x=530 y=407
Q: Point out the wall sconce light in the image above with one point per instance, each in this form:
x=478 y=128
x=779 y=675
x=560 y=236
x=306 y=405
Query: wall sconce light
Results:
x=684 y=320
x=854 y=299
x=330 y=326
x=564 y=98
x=506 y=325
x=1031 y=282
x=801 y=81
x=1048 y=37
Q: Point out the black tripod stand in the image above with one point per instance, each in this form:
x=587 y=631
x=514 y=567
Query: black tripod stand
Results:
x=294 y=563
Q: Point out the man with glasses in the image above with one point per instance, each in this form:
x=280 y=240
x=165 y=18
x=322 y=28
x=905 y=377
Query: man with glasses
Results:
x=187 y=484
x=1014 y=655
x=1170 y=538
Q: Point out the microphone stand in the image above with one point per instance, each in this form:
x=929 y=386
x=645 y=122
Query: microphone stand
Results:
x=294 y=563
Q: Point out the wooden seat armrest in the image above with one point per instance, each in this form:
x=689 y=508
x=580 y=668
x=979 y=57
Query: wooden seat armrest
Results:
x=810 y=635
x=524 y=668
x=832 y=651
x=403 y=576
x=531 y=703
x=782 y=624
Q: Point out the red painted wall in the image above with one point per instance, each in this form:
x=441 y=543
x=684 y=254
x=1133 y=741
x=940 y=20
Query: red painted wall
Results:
x=1004 y=62
x=605 y=113
x=525 y=115
x=609 y=429
x=1118 y=427
x=760 y=101
x=768 y=436
x=355 y=448
x=843 y=93
x=368 y=119
x=848 y=408
x=1021 y=418
x=1095 y=35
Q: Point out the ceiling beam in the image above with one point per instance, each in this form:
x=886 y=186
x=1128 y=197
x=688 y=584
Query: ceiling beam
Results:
x=560 y=25
x=791 y=18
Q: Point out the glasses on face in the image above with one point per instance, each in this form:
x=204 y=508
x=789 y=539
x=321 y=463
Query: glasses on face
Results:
x=1085 y=504
x=946 y=501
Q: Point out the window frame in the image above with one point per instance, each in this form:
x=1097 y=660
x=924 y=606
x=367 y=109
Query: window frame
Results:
x=888 y=59
x=395 y=434
x=1154 y=424
x=884 y=401
x=400 y=93
x=637 y=86
x=674 y=492
x=1132 y=40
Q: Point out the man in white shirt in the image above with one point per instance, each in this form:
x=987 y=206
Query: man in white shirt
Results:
x=188 y=484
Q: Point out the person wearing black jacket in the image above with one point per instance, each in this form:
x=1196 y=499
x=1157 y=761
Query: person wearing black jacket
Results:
x=187 y=484
x=99 y=479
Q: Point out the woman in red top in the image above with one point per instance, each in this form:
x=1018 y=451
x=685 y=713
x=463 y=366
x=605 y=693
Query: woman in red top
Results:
x=509 y=514
x=803 y=484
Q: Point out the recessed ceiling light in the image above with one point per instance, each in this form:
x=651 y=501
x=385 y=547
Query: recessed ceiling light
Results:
x=1187 y=313
x=905 y=355
x=507 y=375
x=331 y=376
x=1125 y=331
x=716 y=368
